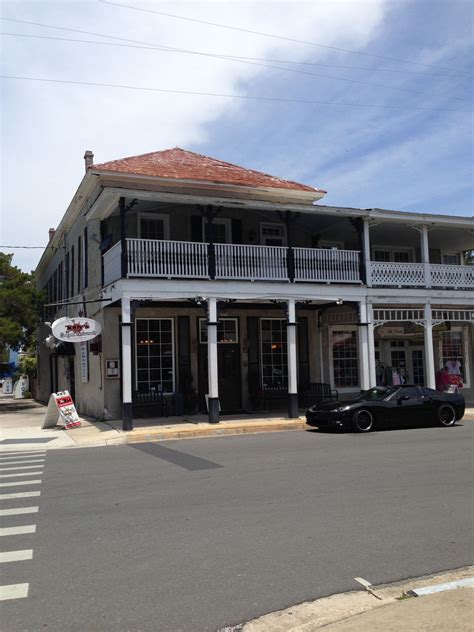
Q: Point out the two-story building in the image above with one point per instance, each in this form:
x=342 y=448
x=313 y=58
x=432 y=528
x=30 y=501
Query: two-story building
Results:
x=223 y=289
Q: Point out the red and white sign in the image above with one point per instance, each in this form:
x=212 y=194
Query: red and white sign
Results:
x=75 y=329
x=63 y=404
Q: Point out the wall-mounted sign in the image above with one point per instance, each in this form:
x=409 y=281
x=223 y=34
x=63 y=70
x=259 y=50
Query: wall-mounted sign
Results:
x=112 y=369
x=75 y=329
x=387 y=332
x=61 y=407
x=84 y=358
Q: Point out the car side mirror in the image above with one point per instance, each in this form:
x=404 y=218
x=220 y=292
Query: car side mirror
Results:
x=401 y=399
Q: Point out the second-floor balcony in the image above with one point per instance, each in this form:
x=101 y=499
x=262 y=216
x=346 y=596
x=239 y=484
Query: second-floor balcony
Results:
x=394 y=274
x=150 y=258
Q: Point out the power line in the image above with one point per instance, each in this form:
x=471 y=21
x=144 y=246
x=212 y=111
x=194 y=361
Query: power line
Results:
x=221 y=95
x=280 y=37
x=150 y=46
x=18 y=247
x=161 y=48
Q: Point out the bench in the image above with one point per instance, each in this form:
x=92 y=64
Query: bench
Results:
x=316 y=392
x=155 y=401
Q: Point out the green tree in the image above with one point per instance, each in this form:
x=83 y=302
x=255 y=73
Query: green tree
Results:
x=20 y=305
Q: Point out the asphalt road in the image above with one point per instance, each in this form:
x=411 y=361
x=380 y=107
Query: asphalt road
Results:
x=195 y=535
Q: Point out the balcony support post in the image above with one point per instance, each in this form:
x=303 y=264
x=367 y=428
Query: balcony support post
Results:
x=367 y=269
x=212 y=365
x=127 y=413
x=363 y=343
x=371 y=345
x=123 y=234
x=425 y=254
x=210 y=212
x=429 y=348
x=291 y=325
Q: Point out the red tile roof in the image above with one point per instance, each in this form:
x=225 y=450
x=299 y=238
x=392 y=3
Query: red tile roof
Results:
x=188 y=165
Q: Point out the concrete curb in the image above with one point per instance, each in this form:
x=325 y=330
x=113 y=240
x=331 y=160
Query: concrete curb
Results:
x=346 y=611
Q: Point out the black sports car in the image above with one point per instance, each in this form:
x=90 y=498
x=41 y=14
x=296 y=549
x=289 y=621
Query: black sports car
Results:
x=388 y=405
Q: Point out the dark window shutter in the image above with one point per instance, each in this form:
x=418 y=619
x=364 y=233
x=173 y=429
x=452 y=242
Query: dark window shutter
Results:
x=237 y=231
x=303 y=352
x=196 y=228
x=185 y=377
x=253 y=357
x=86 y=258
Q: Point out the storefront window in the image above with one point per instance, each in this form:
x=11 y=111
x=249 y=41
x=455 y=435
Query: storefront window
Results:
x=154 y=355
x=345 y=358
x=274 y=353
x=227 y=331
x=452 y=351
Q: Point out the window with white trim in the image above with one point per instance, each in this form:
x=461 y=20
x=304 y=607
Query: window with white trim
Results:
x=454 y=352
x=389 y=253
x=272 y=234
x=227 y=331
x=274 y=358
x=222 y=230
x=345 y=357
x=153 y=226
x=154 y=355
x=450 y=258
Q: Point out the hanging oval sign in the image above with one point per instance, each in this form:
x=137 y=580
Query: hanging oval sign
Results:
x=76 y=329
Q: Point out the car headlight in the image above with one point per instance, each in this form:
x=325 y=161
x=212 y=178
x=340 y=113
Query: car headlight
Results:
x=341 y=409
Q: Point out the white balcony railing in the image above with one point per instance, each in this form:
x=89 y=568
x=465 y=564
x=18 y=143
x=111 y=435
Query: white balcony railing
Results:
x=190 y=260
x=327 y=265
x=398 y=274
x=421 y=275
x=155 y=258
x=253 y=263
x=452 y=276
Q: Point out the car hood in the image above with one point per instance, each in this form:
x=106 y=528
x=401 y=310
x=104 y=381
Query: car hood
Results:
x=333 y=404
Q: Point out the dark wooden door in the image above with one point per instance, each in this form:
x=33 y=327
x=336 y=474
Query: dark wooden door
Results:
x=230 y=388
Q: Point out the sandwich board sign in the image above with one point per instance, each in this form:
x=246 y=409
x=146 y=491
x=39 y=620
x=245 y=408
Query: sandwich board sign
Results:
x=61 y=408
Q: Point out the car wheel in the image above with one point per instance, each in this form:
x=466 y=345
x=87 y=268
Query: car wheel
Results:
x=363 y=421
x=446 y=415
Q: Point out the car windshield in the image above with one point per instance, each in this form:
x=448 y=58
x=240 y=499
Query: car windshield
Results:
x=377 y=393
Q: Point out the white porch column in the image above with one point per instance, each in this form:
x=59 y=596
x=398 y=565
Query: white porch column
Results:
x=363 y=342
x=429 y=349
x=212 y=367
x=371 y=345
x=367 y=257
x=425 y=254
x=127 y=416
x=292 y=361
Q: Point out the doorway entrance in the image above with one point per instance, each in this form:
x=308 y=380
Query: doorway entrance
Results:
x=228 y=363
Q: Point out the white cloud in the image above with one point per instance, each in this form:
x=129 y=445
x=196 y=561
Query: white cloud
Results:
x=47 y=127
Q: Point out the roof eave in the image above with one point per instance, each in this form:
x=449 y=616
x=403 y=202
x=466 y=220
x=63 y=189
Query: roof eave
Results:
x=301 y=196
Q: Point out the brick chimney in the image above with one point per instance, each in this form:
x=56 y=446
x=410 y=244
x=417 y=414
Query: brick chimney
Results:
x=88 y=159
x=51 y=232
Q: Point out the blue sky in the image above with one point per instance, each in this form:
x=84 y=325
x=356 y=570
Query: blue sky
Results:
x=407 y=145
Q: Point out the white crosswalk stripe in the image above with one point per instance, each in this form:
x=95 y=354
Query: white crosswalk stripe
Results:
x=21 y=455
x=17 y=467
x=17 y=474
x=21 y=530
x=37 y=481
x=13 y=591
x=25 y=463
x=19 y=495
x=18 y=511
x=16 y=556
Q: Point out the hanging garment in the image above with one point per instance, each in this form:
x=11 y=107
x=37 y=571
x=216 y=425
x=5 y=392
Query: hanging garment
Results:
x=454 y=367
x=396 y=381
